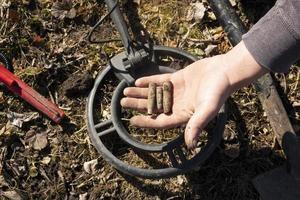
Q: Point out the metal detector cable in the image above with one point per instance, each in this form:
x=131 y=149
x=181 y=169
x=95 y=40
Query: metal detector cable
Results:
x=98 y=24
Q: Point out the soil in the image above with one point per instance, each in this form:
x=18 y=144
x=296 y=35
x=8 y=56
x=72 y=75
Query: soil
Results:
x=47 y=44
x=77 y=84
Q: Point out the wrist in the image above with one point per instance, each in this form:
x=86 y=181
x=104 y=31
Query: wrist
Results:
x=240 y=67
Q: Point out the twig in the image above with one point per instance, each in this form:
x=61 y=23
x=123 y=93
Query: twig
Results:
x=204 y=41
x=73 y=61
x=184 y=38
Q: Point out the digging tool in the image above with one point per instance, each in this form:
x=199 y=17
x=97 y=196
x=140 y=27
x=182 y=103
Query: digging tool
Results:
x=18 y=87
x=283 y=182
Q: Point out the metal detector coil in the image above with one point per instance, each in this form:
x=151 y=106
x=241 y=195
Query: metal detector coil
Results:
x=125 y=68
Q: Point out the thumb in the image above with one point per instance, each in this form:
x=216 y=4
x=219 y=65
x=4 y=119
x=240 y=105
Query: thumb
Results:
x=202 y=115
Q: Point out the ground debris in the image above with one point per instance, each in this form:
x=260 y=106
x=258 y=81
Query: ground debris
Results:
x=232 y=150
x=36 y=138
x=196 y=12
x=90 y=166
x=7 y=129
x=1 y=97
x=77 y=84
x=63 y=9
x=210 y=49
x=18 y=119
x=46 y=41
x=12 y=195
x=83 y=196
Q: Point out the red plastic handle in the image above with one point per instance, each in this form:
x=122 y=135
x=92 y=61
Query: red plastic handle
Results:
x=21 y=89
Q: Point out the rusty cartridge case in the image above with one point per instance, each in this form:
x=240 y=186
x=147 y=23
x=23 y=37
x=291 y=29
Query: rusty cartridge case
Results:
x=159 y=98
x=167 y=97
x=151 y=103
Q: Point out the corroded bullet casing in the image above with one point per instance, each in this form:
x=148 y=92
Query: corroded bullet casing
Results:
x=167 y=97
x=151 y=98
x=159 y=98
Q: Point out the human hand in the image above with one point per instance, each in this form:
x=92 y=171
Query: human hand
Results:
x=199 y=90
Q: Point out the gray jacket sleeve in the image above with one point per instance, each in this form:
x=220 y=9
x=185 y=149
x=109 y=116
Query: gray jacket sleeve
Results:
x=274 y=41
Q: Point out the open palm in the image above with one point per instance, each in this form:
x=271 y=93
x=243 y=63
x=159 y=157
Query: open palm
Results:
x=199 y=90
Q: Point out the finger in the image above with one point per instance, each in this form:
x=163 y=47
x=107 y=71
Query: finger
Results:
x=158 y=79
x=136 y=92
x=196 y=124
x=134 y=103
x=161 y=121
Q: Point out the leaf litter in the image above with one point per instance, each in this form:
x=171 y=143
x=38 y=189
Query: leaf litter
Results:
x=40 y=160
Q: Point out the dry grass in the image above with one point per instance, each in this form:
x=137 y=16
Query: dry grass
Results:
x=64 y=50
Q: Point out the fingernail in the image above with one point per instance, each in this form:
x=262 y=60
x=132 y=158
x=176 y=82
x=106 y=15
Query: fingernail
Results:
x=125 y=91
x=137 y=82
x=122 y=102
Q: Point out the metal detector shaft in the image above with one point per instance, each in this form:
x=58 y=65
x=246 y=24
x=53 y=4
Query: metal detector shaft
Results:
x=265 y=85
x=119 y=22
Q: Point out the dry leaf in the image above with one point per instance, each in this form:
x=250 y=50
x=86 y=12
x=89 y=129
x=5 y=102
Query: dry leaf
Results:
x=210 y=48
x=63 y=9
x=83 y=196
x=3 y=182
x=37 y=140
x=90 y=166
x=13 y=195
x=71 y=14
x=106 y=114
x=7 y=129
x=138 y=2
x=41 y=141
x=233 y=2
x=46 y=160
x=228 y=135
x=212 y=16
x=17 y=119
x=1 y=97
x=181 y=179
x=61 y=176
x=196 y=12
